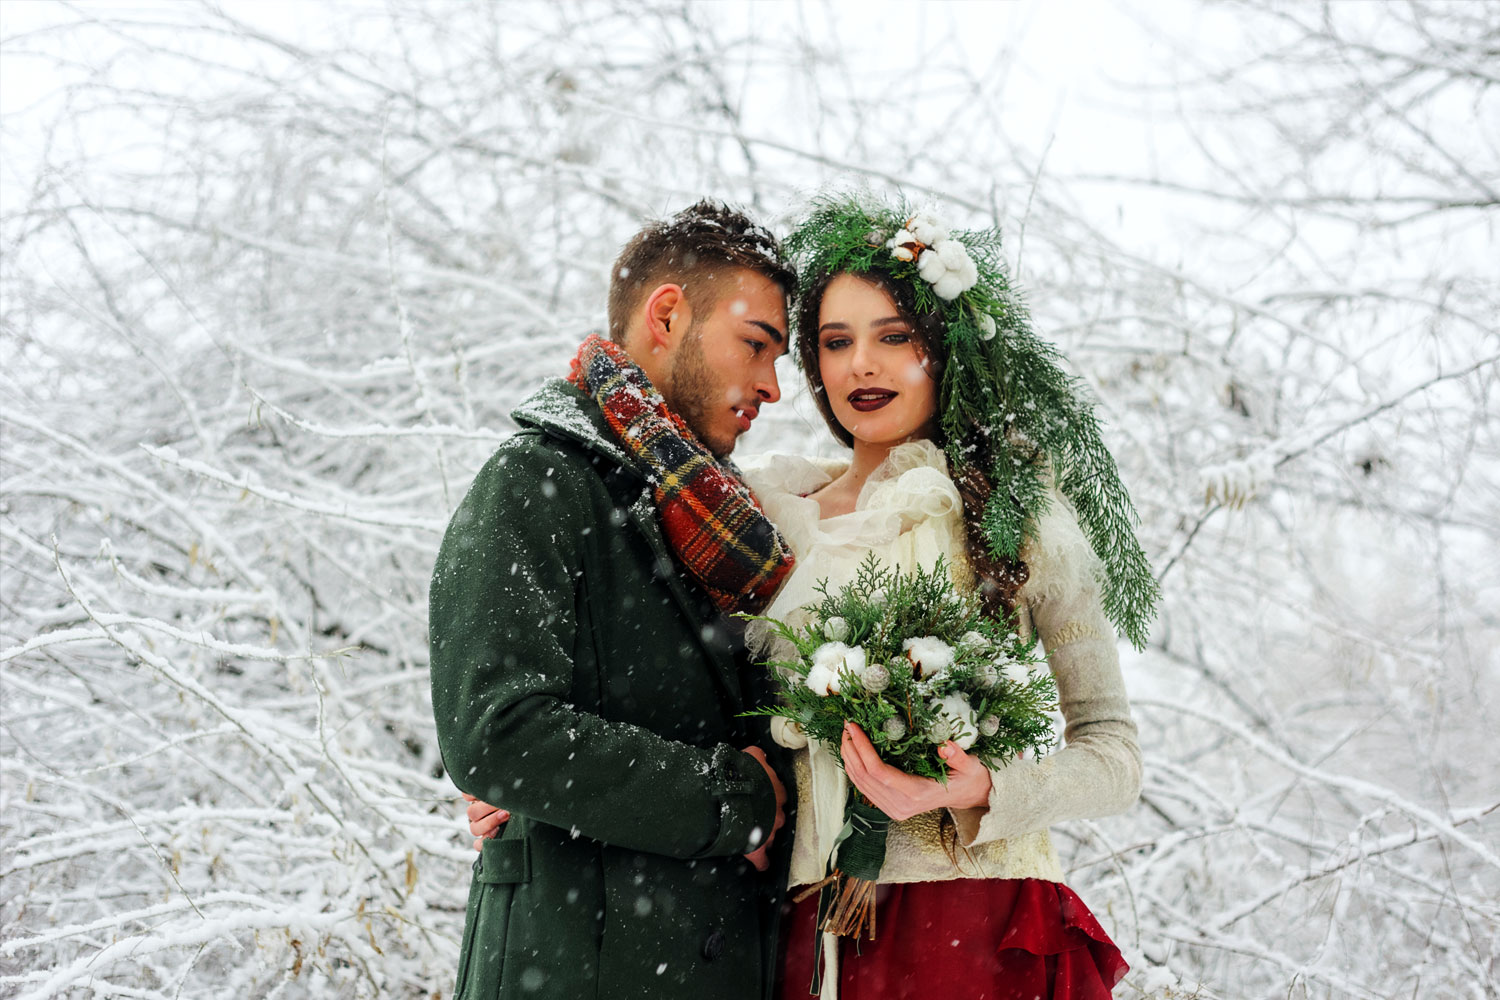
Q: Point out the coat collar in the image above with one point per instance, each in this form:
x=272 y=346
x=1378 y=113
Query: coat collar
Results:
x=561 y=408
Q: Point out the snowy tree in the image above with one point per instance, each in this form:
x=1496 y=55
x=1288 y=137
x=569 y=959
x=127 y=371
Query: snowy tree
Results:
x=271 y=288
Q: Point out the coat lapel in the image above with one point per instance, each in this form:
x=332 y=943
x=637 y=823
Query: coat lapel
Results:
x=562 y=410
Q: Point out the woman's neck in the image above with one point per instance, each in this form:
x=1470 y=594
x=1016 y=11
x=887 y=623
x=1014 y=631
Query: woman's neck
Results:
x=840 y=495
x=867 y=458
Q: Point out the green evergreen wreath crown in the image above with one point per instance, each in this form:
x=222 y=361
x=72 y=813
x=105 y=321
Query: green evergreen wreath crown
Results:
x=1005 y=403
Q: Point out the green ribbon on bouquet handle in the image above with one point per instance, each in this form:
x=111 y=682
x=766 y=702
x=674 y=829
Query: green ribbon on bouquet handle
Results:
x=860 y=853
x=861 y=844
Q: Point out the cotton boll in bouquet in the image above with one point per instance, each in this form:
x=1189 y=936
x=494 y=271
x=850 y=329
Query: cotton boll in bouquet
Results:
x=913 y=663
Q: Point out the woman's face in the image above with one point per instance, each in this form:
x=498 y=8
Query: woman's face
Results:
x=876 y=379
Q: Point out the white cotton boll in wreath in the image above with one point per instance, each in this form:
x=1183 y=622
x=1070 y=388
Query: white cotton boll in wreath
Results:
x=931 y=267
x=948 y=268
x=953 y=254
x=931 y=654
x=948 y=287
x=897 y=246
x=928 y=228
x=1016 y=673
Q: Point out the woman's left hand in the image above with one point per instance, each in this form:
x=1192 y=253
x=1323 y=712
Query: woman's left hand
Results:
x=485 y=820
x=900 y=795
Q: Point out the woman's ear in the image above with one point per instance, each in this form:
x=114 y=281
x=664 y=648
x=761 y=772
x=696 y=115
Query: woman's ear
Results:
x=666 y=316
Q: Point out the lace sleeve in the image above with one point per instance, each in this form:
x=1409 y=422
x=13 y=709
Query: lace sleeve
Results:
x=1098 y=770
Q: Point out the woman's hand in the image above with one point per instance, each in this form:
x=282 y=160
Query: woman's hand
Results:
x=760 y=858
x=485 y=820
x=900 y=795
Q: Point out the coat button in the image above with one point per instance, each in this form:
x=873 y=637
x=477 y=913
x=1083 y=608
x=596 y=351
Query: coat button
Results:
x=713 y=945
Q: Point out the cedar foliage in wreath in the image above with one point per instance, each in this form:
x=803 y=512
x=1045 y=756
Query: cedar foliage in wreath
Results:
x=1006 y=405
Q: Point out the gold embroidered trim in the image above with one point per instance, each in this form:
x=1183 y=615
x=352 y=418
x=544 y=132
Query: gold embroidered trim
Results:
x=1073 y=631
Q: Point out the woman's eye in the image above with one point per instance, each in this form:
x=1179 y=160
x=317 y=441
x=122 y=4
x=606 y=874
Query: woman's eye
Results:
x=898 y=338
x=835 y=343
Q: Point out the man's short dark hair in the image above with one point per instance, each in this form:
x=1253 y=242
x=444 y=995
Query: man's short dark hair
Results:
x=693 y=249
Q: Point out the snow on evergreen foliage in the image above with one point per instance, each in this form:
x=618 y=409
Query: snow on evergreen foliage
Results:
x=269 y=294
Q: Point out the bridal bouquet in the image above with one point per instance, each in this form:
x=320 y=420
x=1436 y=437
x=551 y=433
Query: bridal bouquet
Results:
x=914 y=664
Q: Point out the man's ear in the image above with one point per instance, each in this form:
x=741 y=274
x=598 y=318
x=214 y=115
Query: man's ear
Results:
x=667 y=317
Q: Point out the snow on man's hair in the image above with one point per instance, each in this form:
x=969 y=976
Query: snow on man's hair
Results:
x=689 y=249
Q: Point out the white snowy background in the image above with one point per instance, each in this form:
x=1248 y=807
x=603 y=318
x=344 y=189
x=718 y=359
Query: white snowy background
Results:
x=274 y=274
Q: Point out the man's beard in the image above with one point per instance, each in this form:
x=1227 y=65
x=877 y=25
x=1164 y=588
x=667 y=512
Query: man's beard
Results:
x=694 y=392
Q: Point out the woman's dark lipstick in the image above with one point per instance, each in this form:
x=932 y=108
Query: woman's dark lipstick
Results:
x=865 y=400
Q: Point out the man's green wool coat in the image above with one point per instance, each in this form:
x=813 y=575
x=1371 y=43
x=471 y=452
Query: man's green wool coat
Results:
x=579 y=681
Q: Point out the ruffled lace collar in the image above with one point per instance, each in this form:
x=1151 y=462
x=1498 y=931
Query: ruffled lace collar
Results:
x=909 y=487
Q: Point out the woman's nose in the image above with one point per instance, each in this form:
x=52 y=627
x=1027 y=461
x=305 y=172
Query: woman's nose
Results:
x=863 y=360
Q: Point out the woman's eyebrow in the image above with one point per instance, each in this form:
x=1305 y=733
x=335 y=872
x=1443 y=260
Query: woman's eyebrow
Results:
x=888 y=321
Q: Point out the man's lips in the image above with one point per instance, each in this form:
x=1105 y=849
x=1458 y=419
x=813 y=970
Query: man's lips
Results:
x=745 y=416
x=865 y=400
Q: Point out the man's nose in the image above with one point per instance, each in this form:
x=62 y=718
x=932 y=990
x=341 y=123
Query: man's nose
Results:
x=767 y=388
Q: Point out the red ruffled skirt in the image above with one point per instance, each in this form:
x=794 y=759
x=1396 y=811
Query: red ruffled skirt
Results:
x=966 y=939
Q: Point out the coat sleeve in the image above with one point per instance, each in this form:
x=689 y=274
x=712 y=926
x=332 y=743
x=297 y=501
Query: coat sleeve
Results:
x=1098 y=770
x=502 y=623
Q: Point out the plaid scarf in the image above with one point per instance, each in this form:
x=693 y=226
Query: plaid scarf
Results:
x=711 y=519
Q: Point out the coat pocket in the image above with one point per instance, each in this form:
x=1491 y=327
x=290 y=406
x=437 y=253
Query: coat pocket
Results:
x=502 y=865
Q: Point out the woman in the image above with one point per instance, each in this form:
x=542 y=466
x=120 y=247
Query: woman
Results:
x=921 y=360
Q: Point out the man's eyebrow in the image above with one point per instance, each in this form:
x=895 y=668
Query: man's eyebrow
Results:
x=770 y=330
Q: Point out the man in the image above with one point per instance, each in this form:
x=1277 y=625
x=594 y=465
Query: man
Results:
x=582 y=670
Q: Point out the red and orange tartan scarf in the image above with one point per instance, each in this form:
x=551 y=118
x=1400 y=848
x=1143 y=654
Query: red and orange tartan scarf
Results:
x=713 y=522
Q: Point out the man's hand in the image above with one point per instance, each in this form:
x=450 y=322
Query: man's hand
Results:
x=760 y=857
x=900 y=795
x=485 y=820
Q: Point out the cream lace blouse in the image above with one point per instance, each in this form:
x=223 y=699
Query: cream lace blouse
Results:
x=908 y=514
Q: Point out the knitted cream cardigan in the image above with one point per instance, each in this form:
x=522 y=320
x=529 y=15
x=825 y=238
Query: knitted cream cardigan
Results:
x=908 y=514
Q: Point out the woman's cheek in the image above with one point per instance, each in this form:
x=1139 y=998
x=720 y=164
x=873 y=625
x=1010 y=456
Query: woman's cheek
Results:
x=921 y=395
x=913 y=374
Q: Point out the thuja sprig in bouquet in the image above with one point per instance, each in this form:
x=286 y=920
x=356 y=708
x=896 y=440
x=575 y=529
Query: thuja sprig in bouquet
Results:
x=913 y=663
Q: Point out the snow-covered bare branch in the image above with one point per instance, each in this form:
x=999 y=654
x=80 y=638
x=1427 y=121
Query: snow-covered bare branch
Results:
x=270 y=290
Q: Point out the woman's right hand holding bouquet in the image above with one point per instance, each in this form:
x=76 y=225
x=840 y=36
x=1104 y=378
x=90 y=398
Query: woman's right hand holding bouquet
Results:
x=900 y=795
